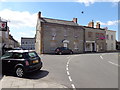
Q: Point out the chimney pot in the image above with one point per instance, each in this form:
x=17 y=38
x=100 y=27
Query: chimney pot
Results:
x=74 y=20
x=39 y=15
x=97 y=25
x=91 y=24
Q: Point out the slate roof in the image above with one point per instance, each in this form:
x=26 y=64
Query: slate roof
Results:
x=56 y=21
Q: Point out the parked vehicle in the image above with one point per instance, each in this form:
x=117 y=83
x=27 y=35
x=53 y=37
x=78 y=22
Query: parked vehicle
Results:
x=63 y=50
x=21 y=62
x=17 y=48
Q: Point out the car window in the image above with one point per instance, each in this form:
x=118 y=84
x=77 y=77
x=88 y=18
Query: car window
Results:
x=7 y=55
x=18 y=56
x=32 y=54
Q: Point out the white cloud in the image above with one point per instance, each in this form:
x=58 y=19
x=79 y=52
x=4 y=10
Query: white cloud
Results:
x=88 y=2
x=2 y=0
x=19 y=19
x=110 y=23
x=25 y=34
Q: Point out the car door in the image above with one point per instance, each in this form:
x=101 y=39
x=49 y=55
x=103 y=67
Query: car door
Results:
x=17 y=59
x=6 y=61
x=65 y=50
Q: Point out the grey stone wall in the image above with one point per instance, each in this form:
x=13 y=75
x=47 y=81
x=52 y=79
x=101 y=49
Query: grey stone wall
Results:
x=38 y=37
x=60 y=33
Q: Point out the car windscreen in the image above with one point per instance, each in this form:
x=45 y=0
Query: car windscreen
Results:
x=7 y=55
x=32 y=54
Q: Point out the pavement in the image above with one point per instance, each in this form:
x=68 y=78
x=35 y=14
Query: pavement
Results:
x=37 y=79
x=15 y=82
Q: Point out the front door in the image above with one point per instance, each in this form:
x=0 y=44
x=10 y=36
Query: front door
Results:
x=93 y=47
x=65 y=45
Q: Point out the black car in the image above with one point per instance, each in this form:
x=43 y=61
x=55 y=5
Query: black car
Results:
x=63 y=50
x=21 y=62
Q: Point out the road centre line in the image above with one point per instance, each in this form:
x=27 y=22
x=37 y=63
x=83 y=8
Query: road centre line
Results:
x=68 y=61
x=70 y=78
x=68 y=74
x=73 y=86
x=101 y=57
x=67 y=68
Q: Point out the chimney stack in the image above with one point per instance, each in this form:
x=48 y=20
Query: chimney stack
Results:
x=39 y=15
x=74 y=20
x=98 y=25
x=91 y=24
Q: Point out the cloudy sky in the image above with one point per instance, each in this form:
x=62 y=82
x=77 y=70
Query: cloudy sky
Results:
x=22 y=15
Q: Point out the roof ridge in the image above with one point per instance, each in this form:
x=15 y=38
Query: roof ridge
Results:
x=57 y=19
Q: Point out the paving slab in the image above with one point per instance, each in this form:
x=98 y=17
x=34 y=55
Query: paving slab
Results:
x=15 y=82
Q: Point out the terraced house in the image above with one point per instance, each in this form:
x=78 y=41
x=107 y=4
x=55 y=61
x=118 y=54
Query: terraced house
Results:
x=53 y=33
x=94 y=38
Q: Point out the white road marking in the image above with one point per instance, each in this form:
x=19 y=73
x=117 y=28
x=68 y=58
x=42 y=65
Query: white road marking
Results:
x=113 y=63
x=68 y=73
x=67 y=63
x=67 y=69
x=70 y=78
x=101 y=57
x=73 y=86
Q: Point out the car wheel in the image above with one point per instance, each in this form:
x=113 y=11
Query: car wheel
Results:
x=60 y=53
x=19 y=72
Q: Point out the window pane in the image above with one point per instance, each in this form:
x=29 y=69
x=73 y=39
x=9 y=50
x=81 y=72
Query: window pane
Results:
x=7 y=55
x=32 y=54
x=89 y=34
x=18 y=56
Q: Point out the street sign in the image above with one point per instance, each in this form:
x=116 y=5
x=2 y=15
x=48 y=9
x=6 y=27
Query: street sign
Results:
x=3 y=26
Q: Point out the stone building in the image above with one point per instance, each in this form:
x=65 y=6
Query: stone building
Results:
x=110 y=40
x=12 y=42
x=53 y=33
x=6 y=40
x=94 y=38
x=28 y=43
x=4 y=35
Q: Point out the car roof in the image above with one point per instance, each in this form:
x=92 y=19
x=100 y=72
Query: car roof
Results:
x=21 y=51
